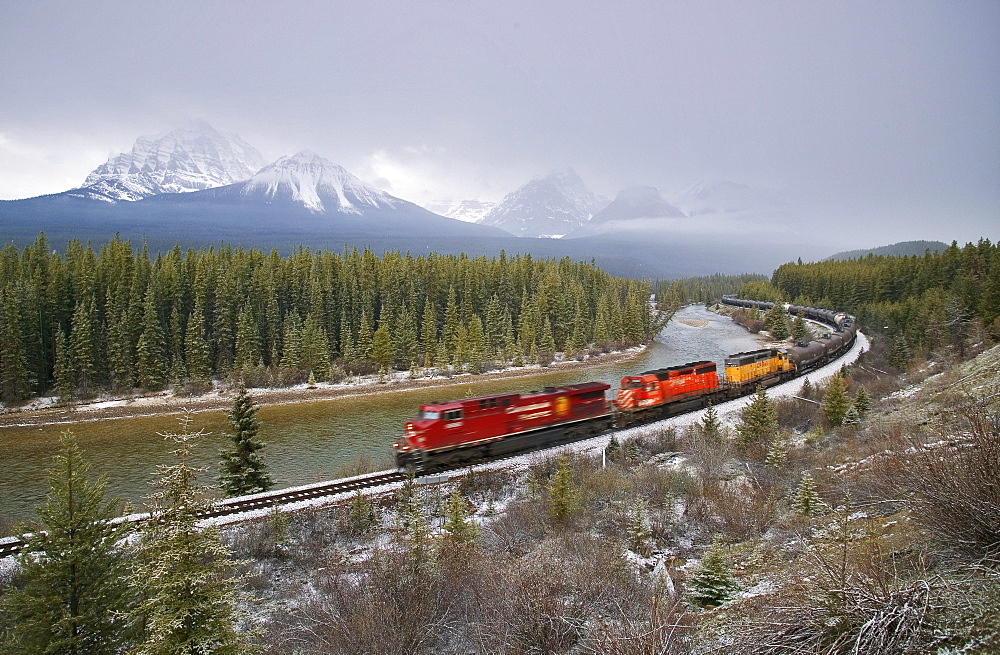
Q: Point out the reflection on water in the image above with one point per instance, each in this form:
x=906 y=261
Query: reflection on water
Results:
x=309 y=442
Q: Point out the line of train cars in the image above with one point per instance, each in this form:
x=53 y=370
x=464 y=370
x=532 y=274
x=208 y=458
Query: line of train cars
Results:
x=458 y=433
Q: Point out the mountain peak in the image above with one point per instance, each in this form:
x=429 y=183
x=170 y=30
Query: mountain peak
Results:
x=193 y=157
x=552 y=205
x=637 y=202
x=317 y=184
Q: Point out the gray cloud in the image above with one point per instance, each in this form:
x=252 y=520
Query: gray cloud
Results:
x=884 y=115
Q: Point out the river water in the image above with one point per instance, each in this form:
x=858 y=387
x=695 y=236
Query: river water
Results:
x=310 y=441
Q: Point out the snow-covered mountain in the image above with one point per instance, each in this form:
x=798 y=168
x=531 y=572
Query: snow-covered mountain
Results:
x=471 y=211
x=551 y=206
x=724 y=197
x=637 y=202
x=192 y=158
x=317 y=184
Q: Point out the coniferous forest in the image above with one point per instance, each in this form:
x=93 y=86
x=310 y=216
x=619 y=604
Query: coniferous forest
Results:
x=117 y=317
x=922 y=304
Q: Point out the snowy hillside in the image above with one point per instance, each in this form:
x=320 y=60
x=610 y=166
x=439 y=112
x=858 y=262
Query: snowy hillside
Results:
x=191 y=158
x=637 y=202
x=553 y=205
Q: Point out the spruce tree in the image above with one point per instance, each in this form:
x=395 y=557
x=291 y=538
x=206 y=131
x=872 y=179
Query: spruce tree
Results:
x=758 y=424
x=242 y=470
x=862 y=401
x=198 y=355
x=711 y=581
x=151 y=363
x=65 y=371
x=81 y=341
x=248 y=354
x=459 y=529
x=835 y=401
x=381 y=348
x=806 y=500
x=710 y=425
x=189 y=597
x=563 y=496
x=777 y=452
x=799 y=328
x=72 y=597
x=776 y=321
x=14 y=376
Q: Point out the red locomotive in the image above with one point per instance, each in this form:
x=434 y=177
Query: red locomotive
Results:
x=458 y=432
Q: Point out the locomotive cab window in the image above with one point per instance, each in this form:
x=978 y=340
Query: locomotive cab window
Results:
x=430 y=416
x=634 y=384
x=453 y=415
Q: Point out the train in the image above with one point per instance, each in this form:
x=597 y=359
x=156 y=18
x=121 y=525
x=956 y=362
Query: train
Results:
x=459 y=433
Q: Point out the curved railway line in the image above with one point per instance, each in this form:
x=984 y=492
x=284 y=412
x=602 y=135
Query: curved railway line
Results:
x=231 y=506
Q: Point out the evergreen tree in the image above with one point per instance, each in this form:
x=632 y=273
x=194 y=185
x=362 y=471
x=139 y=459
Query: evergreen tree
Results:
x=189 y=598
x=151 y=360
x=428 y=333
x=14 y=374
x=459 y=529
x=710 y=425
x=777 y=452
x=799 y=328
x=776 y=321
x=711 y=582
x=291 y=352
x=862 y=401
x=381 y=348
x=900 y=354
x=361 y=516
x=639 y=530
x=121 y=360
x=835 y=401
x=248 y=354
x=612 y=449
x=198 y=355
x=73 y=595
x=852 y=417
x=315 y=352
x=65 y=371
x=242 y=470
x=806 y=500
x=563 y=496
x=81 y=341
x=474 y=347
x=758 y=424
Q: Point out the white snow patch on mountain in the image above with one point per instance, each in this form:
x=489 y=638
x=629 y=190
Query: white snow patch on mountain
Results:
x=316 y=183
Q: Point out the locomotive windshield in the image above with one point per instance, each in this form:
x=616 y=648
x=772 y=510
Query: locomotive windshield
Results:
x=430 y=416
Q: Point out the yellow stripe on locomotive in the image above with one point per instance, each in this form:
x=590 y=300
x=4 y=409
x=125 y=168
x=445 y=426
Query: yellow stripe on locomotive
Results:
x=743 y=368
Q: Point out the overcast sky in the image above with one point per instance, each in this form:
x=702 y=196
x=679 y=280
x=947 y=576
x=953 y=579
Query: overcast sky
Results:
x=882 y=114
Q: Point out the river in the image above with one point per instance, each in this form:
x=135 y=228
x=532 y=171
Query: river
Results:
x=315 y=440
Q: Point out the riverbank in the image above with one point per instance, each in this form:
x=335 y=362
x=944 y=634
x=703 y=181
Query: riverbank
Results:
x=43 y=411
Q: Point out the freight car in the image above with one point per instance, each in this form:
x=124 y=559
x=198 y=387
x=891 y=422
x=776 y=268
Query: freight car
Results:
x=463 y=432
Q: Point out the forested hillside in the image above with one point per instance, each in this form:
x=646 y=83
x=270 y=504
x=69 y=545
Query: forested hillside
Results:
x=671 y=293
x=119 y=318
x=921 y=303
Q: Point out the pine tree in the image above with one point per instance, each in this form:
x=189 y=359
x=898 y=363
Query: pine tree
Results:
x=799 y=328
x=189 y=597
x=758 y=422
x=65 y=371
x=474 y=348
x=81 y=341
x=563 y=497
x=381 y=348
x=862 y=401
x=459 y=530
x=777 y=452
x=242 y=470
x=14 y=376
x=428 y=333
x=248 y=354
x=806 y=500
x=73 y=595
x=900 y=353
x=710 y=425
x=151 y=360
x=361 y=516
x=198 y=355
x=711 y=582
x=315 y=351
x=835 y=401
x=639 y=530
x=776 y=321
